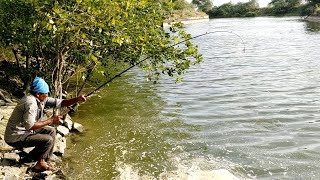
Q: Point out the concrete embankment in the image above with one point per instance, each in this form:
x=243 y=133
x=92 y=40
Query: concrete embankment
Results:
x=189 y=20
x=312 y=18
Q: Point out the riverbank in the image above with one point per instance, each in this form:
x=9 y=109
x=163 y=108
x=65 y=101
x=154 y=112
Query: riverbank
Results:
x=312 y=18
x=189 y=20
x=11 y=160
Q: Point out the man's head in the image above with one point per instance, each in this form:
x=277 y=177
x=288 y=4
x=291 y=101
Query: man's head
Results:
x=39 y=88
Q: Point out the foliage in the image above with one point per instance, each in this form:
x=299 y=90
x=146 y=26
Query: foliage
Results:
x=248 y=9
x=281 y=7
x=181 y=4
x=57 y=39
x=203 y=5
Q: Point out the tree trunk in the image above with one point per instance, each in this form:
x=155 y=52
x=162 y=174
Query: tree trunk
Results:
x=89 y=72
x=58 y=78
x=15 y=52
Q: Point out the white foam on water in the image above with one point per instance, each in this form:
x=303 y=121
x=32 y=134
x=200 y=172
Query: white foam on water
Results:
x=190 y=171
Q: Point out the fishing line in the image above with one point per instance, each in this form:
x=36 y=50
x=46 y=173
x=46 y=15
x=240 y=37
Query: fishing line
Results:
x=139 y=62
x=72 y=108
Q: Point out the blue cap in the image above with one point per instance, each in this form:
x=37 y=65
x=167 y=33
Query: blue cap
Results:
x=39 y=86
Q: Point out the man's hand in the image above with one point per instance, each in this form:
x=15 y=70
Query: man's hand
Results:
x=40 y=124
x=81 y=98
x=56 y=119
x=69 y=102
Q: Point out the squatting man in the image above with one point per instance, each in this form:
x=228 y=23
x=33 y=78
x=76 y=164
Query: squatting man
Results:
x=27 y=126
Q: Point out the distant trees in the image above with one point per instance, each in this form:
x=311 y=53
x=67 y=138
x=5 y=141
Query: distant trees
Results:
x=181 y=4
x=203 y=5
x=284 y=6
x=248 y=9
x=314 y=7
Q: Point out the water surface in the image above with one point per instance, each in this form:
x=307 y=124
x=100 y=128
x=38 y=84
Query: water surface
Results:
x=253 y=112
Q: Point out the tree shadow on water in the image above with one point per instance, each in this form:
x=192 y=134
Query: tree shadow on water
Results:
x=312 y=26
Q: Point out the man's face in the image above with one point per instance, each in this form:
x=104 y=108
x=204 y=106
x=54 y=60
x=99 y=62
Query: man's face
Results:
x=42 y=97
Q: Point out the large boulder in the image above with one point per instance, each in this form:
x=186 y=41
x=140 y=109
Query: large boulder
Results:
x=67 y=122
x=77 y=127
x=60 y=145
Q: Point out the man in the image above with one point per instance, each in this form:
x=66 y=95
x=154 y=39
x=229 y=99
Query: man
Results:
x=27 y=126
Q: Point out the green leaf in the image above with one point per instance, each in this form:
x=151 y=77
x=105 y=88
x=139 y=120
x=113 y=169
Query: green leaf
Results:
x=94 y=58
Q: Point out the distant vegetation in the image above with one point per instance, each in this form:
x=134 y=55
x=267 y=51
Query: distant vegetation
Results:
x=182 y=9
x=252 y=9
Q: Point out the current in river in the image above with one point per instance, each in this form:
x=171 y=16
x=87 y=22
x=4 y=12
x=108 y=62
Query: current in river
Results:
x=251 y=107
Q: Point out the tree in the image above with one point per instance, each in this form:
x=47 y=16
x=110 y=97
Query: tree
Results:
x=203 y=5
x=284 y=6
x=60 y=38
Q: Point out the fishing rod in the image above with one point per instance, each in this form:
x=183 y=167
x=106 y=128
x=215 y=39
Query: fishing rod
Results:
x=132 y=66
x=72 y=109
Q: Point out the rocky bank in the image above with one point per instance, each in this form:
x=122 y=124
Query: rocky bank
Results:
x=11 y=160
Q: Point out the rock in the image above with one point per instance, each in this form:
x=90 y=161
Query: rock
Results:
x=68 y=122
x=4 y=146
x=13 y=173
x=2 y=103
x=11 y=156
x=5 y=96
x=11 y=104
x=52 y=177
x=78 y=127
x=55 y=159
x=1 y=116
x=60 y=145
x=11 y=177
x=6 y=111
x=63 y=130
x=28 y=149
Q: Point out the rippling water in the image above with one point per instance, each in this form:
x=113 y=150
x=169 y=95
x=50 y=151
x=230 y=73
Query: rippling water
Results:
x=254 y=112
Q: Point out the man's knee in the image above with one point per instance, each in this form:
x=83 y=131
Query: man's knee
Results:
x=51 y=131
x=45 y=140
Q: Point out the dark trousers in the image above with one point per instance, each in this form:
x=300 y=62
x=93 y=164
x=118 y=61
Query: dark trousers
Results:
x=43 y=141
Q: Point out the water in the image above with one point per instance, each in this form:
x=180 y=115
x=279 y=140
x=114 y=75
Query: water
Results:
x=254 y=112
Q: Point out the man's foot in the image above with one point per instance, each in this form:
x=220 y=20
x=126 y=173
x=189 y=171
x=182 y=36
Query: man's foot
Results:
x=41 y=166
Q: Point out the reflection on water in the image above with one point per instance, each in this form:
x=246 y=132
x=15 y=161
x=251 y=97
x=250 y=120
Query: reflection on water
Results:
x=313 y=26
x=254 y=113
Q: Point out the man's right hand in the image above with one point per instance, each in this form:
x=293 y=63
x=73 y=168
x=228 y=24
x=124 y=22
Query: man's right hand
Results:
x=56 y=119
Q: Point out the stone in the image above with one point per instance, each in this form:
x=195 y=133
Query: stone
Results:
x=4 y=96
x=52 y=177
x=11 y=177
x=68 y=122
x=78 y=127
x=1 y=116
x=11 y=156
x=62 y=130
x=28 y=149
x=60 y=145
x=55 y=159
x=4 y=146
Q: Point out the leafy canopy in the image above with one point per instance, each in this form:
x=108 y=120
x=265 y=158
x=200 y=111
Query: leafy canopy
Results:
x=59 y=38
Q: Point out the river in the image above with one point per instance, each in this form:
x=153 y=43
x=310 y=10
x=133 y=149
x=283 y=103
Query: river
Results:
x=251 y=107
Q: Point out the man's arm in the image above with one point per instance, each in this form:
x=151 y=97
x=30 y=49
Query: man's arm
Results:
x=69 y=102
x=47 y=122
